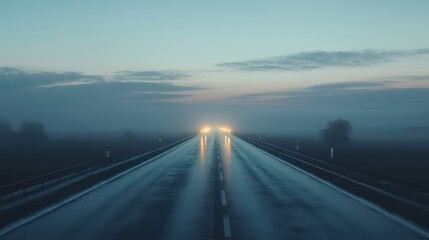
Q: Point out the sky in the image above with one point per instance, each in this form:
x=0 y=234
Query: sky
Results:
x=275 y=66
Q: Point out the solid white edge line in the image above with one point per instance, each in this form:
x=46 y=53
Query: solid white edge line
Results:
x=356 y=182
x=223 y=196
x=392 y=216
x=21 y=222
x=226 y=226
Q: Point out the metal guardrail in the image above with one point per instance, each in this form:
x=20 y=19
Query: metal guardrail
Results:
x=410 y=203
x=340 y=166
x=57 y=175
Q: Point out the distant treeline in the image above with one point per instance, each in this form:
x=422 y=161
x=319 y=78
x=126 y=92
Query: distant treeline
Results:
x=28 y=151
x=27 y=135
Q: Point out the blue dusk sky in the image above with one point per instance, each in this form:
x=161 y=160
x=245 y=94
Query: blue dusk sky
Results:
x=152 y=65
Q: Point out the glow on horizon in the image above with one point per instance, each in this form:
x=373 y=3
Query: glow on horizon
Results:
x=199 y=39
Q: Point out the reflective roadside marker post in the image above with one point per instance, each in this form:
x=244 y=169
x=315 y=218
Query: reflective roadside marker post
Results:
x=332 y=153
x=107 y=151
x=297 y=145
x=160 y=139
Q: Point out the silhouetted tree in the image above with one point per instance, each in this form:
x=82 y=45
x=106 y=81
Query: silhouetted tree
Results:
x=7 y=134
x=337 y=132
x=32 y=133
x=129 y=137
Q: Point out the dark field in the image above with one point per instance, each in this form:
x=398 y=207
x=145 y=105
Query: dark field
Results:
x=20 y=161
x=401 y=158
x=405 y=158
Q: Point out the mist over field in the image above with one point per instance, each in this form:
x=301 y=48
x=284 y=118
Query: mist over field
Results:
x=85 y=73
x=272 y=119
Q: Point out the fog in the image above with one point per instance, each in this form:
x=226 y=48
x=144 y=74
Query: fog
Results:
x=164 y=118
x=76 y=104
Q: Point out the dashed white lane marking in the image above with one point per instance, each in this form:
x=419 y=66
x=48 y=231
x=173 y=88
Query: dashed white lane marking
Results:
x=226 y=226
x=221 y=177
x=218 y=165
x=218 y=157
x=222 y=194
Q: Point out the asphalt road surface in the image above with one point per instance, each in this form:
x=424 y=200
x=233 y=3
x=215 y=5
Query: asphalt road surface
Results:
x=214 y=186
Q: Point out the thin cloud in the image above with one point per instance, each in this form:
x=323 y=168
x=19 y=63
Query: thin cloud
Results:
x=316 y=90
x=16 y=79
x=407 y=78
x=154 y=96
x=380 y=99
x=345 y=95
x=347 y=86
x=321 y=59
x=70 y=88
x=151 y=76
x=75 y=102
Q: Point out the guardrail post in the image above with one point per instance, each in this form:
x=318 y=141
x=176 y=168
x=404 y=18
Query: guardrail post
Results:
x=297 y=145
x=107 y=151
x=332 y=153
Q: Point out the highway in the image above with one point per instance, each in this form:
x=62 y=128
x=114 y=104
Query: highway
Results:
x=214 y=186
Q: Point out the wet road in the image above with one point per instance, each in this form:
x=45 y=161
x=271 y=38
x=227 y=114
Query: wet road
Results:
x=213 y=187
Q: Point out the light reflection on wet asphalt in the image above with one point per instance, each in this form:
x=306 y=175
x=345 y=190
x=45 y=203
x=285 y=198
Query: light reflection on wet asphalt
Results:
x=215 y=185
